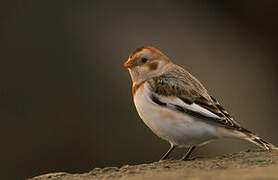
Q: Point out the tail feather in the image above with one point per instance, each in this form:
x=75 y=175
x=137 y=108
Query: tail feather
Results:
x=251 y=137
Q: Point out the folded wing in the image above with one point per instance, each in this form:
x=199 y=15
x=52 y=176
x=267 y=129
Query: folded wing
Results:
x=180 y=91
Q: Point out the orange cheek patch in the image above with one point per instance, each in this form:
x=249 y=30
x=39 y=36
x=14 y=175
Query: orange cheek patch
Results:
x=153 y=66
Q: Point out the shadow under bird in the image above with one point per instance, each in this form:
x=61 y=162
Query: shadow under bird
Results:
x=177 y=107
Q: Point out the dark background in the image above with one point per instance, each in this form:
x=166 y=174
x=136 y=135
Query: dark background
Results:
x=66 y=102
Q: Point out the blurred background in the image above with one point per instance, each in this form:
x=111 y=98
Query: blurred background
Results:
x=66 y=102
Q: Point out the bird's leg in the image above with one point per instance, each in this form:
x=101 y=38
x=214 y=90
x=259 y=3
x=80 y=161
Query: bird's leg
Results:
x=168 y=152
x=188 y=153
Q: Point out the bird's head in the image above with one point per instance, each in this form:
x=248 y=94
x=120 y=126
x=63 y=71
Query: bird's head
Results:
x=145 y=63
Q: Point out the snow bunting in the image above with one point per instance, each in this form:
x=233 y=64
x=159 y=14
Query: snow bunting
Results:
x=177 y=107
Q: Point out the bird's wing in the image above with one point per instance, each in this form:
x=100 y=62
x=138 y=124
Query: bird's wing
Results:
x=179 y=90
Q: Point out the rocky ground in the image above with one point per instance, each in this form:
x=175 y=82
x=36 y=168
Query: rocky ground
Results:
x=246 y=165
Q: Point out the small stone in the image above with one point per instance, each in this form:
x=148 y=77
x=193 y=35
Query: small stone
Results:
x=96 y=169
x=125 y=166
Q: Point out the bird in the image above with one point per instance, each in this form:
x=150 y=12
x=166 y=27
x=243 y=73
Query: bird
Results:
x=177 y=107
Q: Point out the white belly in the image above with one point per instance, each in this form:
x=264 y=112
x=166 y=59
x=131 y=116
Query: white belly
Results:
x=173 y=126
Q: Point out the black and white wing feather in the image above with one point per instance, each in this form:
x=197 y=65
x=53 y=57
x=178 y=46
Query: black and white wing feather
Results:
x=179 y=90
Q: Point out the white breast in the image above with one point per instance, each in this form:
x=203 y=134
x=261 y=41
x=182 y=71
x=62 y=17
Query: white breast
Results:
x=176 y=127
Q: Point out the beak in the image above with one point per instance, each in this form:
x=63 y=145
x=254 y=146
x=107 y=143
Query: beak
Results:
x=128 y=64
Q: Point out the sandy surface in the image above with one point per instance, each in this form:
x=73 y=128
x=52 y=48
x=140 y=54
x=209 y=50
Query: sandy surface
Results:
x=246 y=165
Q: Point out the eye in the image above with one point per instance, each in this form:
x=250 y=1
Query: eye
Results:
x=144 y=60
